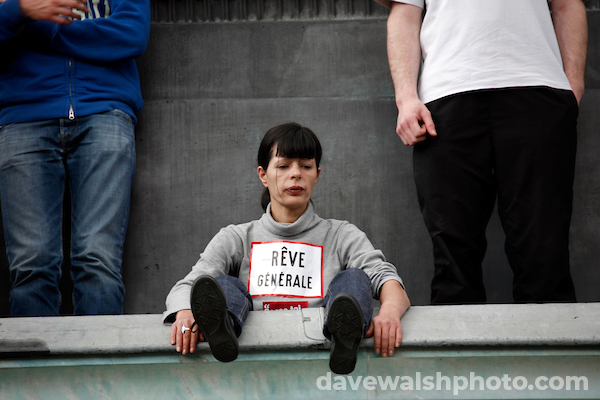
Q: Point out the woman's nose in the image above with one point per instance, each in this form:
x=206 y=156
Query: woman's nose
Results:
x=295 y=171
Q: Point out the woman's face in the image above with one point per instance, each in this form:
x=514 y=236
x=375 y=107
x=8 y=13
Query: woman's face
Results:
x=290 y=182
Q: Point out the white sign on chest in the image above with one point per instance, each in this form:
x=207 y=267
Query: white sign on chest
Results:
x=287 y=269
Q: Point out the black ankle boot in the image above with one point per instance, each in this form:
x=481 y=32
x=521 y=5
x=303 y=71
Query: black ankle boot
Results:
x=345 y=323
x=209 y=307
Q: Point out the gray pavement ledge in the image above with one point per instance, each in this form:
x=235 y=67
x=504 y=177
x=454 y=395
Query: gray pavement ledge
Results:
x=495 y=325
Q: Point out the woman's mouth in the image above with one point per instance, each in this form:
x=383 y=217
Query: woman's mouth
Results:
x=295 y=190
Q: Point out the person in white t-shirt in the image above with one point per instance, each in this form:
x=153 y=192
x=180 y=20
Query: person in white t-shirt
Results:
x=493 y=116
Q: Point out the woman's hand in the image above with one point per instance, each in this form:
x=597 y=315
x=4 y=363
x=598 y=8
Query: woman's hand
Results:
x=387 y=329
x=185 y=341
x=386 y=326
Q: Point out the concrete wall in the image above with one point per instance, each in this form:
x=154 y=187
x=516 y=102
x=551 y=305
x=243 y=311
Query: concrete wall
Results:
x=213 y=88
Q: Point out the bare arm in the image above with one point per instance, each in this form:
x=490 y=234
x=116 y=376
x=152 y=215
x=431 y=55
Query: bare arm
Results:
x=386 y=326
x=570 y=24
x=404 y=55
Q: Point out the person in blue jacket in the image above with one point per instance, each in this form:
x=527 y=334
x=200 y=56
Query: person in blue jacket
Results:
x=69 y=90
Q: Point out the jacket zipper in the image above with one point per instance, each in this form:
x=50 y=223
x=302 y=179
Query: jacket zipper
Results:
x=71 y=111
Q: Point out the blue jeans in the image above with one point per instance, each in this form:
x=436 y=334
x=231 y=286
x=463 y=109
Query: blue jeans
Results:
x=97 y=155
x=352 y=281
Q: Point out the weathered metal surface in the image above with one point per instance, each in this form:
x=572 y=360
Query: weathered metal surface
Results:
x=491 y=351
x=305 y=375
x=185 y=11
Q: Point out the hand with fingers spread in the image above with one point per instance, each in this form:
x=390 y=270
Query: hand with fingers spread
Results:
x=58 y=11
x=184 y=334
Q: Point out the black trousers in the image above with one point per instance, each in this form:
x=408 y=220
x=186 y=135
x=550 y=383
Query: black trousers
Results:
x=517 y=145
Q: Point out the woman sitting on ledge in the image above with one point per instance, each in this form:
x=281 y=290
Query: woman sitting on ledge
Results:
x=286 y=260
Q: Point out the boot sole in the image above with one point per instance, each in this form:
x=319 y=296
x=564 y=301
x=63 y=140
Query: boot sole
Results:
x=209 y=307
x=345 y=323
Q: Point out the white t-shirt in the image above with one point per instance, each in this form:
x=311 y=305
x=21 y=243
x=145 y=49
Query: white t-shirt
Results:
x=485 y=44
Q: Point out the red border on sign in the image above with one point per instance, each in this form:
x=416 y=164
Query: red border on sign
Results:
x=283 y=295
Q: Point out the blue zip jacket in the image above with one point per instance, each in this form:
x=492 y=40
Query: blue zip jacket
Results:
x=51 y=71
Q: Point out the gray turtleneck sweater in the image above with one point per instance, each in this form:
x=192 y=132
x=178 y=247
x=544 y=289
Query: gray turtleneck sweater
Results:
x=342 y=244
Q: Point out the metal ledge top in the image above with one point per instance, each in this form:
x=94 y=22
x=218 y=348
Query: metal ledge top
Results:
x=562 y=325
